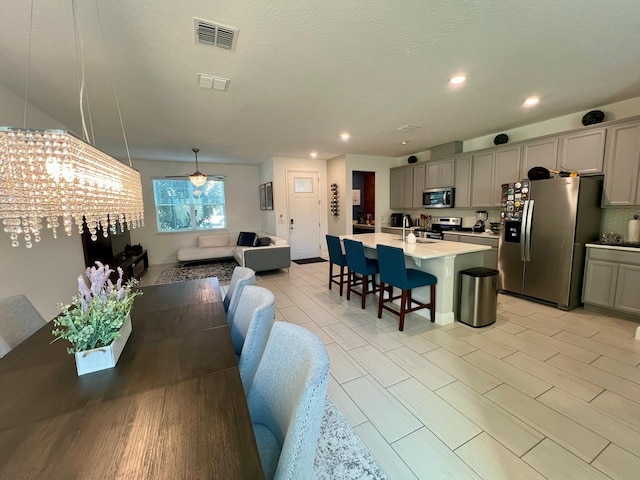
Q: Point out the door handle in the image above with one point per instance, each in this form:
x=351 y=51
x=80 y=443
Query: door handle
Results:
x=523 y=230
x=529 y=221
x=291 y=224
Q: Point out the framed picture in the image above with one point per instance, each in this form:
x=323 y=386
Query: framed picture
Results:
x=263 y=197
x=269 y=195
x=355 y=197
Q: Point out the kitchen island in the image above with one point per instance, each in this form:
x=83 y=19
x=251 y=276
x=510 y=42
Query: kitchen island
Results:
x=440 y=258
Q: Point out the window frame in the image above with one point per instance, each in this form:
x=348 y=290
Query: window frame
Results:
x=193 y=206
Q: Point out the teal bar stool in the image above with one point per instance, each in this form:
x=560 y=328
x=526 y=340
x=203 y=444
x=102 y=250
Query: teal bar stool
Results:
x=393 y=273
x=336 y=257
x=359 y=264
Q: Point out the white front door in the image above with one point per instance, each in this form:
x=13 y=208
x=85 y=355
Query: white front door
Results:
x=304 y=214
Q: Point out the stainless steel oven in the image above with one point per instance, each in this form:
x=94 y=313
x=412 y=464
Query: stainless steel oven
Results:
x=438 y=197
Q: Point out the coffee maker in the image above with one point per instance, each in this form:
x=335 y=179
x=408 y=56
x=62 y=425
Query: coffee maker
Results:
x=396 y=219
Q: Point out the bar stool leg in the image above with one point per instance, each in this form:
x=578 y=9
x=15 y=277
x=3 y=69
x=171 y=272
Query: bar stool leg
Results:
x=403 y=306
x=341 y=278
x=381 y=299
x=349 y=275
x=330 y=274
x=432 y=305
x=365 y=287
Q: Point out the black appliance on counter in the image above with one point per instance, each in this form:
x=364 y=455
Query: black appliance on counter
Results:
x=440 y=225
x=396 y=219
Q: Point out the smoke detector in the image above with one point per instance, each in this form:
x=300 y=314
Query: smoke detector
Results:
x=215 y=34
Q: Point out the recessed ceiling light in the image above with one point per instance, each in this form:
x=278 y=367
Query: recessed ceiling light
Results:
x=345 y=136
x=404 y=142
x=531 y=101
x=458 y=79
x=314 y=154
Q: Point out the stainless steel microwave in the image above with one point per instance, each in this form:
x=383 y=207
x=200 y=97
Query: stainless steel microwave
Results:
x=438 y=197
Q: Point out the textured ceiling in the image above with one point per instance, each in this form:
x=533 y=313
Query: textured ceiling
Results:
x=304 y=71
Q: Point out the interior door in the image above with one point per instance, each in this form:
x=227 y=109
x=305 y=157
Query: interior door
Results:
x=304 y=214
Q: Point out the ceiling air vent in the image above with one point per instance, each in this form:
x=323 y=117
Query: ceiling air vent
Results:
x=215 y=34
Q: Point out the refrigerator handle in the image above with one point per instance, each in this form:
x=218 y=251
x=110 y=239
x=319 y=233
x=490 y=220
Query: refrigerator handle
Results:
x=529 y=222
x=523 y=228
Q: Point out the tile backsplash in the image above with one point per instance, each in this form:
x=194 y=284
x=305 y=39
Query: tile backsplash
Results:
x=615 y=220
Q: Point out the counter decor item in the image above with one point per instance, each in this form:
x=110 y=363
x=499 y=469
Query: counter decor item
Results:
x=633 y=231
x=501 y=139
x=592 y=117
x=411 y=238
x=97 y=322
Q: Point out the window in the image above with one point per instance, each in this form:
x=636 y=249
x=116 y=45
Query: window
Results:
x=183 y=207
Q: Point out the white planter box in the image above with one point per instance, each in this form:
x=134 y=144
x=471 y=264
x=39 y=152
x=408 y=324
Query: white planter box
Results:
x=103 y=357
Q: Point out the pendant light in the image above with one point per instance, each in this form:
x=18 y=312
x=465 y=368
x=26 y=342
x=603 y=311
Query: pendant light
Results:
x=49 y=175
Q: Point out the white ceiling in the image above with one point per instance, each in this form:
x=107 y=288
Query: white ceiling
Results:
x=305 y=71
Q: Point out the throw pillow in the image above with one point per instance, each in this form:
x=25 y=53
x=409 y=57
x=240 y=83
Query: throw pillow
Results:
x=263 y=242
x=246 y=239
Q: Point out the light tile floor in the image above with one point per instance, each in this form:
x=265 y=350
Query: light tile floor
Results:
x=542 y=393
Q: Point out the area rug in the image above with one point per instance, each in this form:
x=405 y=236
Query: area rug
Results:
x=304 y=261
x=340 y=453
x=222 y=270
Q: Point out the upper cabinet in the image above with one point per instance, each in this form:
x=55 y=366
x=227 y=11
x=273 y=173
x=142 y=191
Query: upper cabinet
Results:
x=462 y=182
x=418 y=184
x=539 y=153
x=396 y=188
x=439 y=173
x=583 y=151
x=622 y=162
x=490 y=170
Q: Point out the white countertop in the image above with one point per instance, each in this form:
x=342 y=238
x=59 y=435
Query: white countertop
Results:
x=433 y=249
x=613 y=247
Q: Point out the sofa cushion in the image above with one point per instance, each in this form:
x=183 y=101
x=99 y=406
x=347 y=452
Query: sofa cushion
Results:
x=262 y=242
x=218 y=240
x=246 y=239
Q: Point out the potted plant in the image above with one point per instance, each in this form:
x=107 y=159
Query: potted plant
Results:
x=97 y=323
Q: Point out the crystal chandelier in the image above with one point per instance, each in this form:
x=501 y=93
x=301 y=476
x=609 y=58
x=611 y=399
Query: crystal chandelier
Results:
x=46 y=175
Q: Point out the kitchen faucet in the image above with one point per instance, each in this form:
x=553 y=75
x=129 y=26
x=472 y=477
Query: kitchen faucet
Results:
x=404 y=223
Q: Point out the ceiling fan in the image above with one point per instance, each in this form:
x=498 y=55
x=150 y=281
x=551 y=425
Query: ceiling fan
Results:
x=198 y=178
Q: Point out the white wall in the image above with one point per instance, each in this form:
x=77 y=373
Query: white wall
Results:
x=613 y=111
x=242 y=205
x=47 y=273
x=281 y=166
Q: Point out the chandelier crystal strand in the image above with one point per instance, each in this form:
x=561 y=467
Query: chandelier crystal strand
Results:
x=50 y=175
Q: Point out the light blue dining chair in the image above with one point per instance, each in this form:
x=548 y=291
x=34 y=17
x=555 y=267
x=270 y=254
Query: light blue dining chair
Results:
x=242 y=276
x=18 y=320
x=286 y=401
x=250 y=329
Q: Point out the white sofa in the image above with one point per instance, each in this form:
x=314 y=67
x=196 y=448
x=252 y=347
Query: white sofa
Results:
x=223 y=245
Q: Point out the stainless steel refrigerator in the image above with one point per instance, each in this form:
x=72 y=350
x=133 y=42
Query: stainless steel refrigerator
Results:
x=545 y=225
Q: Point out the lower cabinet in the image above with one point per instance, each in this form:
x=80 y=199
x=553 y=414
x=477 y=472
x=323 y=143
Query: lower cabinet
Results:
x=611 y=280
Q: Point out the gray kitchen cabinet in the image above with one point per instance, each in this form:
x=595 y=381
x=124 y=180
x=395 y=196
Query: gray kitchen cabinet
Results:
x=539 y=153
x=627 y=298
x=506 y=170
x=600 y=283
x=450 y=237
x=407 y=187
x=439 y=173
x=611 y=280
x=490 y=170
x=396 y=188
x=388 y=230
x=462 y=182
x=482 y=180
x=583 y=151
x=418 y=185
x=622 y=165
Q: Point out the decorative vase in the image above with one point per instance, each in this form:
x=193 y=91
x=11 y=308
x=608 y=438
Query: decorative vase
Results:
x=102 y=358
x=411 y=238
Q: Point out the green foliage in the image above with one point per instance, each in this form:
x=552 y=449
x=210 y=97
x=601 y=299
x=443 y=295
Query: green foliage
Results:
x=97 y=313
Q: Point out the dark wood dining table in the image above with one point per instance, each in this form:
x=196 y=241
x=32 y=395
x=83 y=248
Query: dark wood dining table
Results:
x=173 y=406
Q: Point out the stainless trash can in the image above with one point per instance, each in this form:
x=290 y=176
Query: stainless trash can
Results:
x=478 y=296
